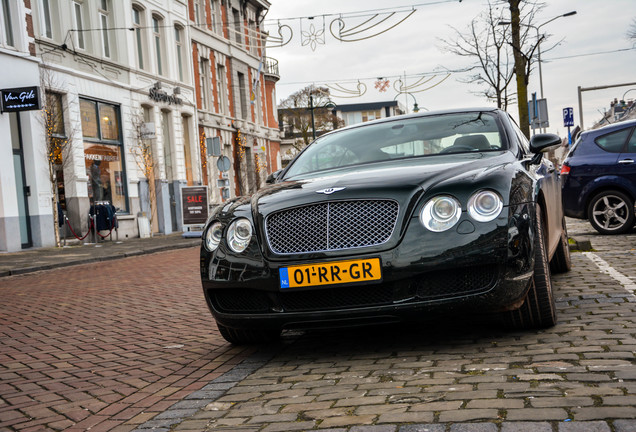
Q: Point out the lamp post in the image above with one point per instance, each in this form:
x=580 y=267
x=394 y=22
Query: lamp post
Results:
x=416 y=107
x=311 y=108
x=623 y=98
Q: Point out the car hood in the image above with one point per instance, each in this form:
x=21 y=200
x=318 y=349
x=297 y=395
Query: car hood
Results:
x=402 y=180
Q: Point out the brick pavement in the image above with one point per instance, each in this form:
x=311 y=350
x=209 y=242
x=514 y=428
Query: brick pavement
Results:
x=468 y=376
x=106 y=346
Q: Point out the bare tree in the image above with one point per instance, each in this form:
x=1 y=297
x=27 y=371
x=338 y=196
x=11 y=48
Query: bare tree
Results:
x=295 y=112
x=523 y=48
x=144 y=155
x=57 y=141
x=631 y=32
x=491 y=42
x=487 y=43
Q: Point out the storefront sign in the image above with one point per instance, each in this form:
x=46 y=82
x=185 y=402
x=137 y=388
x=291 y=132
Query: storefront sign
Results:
x=195 y=205
x=100 y=157
x=21 y=99
x=159 y=95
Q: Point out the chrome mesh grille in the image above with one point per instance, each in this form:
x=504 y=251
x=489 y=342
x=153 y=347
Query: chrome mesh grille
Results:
x=331 y=226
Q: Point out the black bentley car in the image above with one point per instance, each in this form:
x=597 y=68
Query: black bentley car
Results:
x=448 y=212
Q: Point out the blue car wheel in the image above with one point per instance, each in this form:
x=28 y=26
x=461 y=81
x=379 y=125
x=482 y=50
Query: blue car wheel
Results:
x=611 y=212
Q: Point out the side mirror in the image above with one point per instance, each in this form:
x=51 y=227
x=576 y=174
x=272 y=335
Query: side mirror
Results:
x=273 y=177
x=541 y=142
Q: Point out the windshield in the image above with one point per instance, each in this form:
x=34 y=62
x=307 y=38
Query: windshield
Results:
x=404 y=138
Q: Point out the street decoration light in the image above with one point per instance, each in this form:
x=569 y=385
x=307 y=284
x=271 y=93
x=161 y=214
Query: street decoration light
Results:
x=311 y=108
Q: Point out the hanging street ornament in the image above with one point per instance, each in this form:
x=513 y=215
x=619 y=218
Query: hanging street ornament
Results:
x=382 y=84
x=314 y=36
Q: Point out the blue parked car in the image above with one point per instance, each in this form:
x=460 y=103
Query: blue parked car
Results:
x=599 y=178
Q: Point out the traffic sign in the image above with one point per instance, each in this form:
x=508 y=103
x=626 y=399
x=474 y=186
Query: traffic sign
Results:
x=223 y=163
x=568 y=117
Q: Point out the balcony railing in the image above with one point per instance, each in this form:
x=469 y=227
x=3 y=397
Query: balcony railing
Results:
x=271 y=67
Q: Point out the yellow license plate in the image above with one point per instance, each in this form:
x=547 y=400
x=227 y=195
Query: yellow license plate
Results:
x=329 y=273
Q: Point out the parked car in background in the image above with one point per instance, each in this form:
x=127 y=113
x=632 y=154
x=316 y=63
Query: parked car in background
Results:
x=397 y=219
x=599 y=175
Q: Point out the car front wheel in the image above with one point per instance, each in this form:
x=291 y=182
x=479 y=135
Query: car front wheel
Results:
x=539 y=309
x=611 y=212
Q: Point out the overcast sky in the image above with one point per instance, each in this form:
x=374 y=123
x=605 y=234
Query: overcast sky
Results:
x=413 y=48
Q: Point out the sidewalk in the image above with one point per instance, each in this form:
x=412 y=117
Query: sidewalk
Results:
x=31 y=260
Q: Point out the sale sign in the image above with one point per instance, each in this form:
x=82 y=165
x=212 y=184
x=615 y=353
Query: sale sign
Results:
x=195 y=205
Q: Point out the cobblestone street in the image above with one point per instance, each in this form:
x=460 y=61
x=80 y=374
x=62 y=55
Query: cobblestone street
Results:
x=79 y=352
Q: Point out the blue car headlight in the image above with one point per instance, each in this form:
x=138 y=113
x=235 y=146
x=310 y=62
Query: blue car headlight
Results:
x=440 y=213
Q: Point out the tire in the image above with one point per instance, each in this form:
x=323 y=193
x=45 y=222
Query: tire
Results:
x=561 y=261
x=247 y=336
x=538 y=310
x=611 y=212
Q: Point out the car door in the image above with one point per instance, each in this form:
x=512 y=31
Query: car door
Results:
x=627 y=162
x=550 y=183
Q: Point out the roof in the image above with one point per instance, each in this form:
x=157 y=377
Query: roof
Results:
x=365 y=106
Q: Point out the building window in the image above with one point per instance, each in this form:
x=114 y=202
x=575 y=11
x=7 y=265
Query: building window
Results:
x=156 y=33
x=253 y=37
x=204 y=76
x=236 y=17
x=103 y=20
x=6 y=23
x=137 y=26
x=199 y=13
x=103 y=153
x=187 y=154
x=221 y=88
x=45 y=19
x=371 y=115
x=242 y=95
x=213 y=9
x=79 y=25
x=178 y=37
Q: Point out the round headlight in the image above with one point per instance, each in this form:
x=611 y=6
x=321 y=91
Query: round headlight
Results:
x=213 y=236
x=485 y=205
x=441 y=213
x=239 y=234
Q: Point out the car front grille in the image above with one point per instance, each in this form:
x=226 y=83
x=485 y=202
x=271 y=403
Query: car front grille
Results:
x=331 y=226
x=435 y=285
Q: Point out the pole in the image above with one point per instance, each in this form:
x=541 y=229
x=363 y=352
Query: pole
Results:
x=580 y=107
x=582 y=89
x=311 y=108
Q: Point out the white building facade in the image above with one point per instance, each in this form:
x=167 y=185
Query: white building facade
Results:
x=120 y=79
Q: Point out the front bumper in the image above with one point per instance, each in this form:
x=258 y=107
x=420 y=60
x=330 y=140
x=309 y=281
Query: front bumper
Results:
x=473 y=268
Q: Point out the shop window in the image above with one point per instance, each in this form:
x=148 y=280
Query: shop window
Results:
x=103 y=154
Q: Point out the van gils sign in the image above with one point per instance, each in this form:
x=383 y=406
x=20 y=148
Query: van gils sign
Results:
x=20 y=99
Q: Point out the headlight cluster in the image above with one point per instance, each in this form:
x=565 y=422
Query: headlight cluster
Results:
x=238 y=236
x=442 y=212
